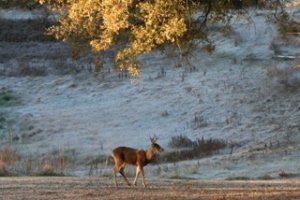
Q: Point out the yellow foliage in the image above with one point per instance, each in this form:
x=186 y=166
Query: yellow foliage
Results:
x=138 y=26
x=162 y=23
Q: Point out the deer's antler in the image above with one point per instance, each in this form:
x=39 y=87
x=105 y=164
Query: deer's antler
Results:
x=153 y=139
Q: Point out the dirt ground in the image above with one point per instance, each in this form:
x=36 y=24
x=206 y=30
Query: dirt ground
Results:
x=102 y=188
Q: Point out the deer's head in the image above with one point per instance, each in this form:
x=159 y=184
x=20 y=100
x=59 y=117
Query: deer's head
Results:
x=155 y=147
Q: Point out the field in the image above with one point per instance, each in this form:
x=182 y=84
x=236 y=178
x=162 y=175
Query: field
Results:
x=102 y=188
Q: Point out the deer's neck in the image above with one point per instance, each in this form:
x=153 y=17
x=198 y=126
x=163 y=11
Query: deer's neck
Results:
x=150 y=154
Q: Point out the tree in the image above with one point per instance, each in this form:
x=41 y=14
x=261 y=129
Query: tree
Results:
x=135 y=27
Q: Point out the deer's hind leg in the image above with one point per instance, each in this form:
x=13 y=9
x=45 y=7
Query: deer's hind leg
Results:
x=120 y=168
x=114 y=173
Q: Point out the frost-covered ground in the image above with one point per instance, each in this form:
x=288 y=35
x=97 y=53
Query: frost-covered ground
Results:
x=234 y=94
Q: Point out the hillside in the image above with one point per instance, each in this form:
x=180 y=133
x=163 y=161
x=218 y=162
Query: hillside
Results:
x=241 y=93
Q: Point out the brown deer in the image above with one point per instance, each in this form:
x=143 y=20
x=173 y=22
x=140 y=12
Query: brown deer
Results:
x=138 y=157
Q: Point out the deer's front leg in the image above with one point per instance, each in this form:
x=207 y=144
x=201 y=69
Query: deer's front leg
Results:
x=138 y=170
x=143 y=177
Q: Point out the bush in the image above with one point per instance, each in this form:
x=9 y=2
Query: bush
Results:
x=238 y=178
x=8 y=99
x=188 y=149
x=24 y=30
x=180 y=141
x=288 y=76
x=28 y=4
x=26 y=69
x=199 y=121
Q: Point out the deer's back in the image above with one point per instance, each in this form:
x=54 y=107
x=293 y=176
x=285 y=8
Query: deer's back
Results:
x=125 y=154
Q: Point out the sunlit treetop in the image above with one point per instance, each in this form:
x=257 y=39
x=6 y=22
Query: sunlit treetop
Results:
x=136 y=27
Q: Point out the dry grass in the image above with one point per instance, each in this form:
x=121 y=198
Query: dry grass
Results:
x=102 y=188
x=7 y=157
x=2 y=168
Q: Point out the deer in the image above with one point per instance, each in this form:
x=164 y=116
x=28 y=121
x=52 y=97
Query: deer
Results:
x=126 y=155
